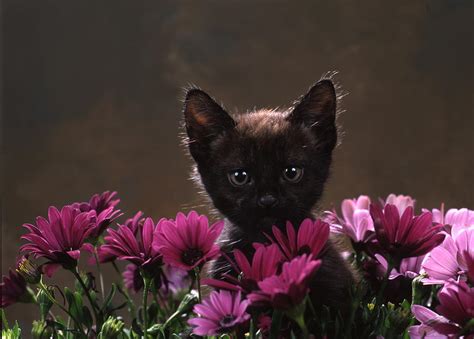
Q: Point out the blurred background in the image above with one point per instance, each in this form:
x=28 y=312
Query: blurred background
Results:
x=92 y=94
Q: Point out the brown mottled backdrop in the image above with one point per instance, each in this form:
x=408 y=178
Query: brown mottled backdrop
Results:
x=92 y=95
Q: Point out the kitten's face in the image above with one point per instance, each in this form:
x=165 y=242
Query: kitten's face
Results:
x=265 y=167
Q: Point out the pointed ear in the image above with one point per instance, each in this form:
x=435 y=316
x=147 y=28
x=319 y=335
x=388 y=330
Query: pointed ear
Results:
x=317 y=110
x=205 y=119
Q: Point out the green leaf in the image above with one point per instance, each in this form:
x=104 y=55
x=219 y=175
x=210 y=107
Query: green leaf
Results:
x=110 y=297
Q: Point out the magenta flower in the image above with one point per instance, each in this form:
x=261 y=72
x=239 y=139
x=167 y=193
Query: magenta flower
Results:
x=405 y=236
x=220 y=313
x=13 y=289
x=169 y=280
x=134 y=224
x=132 y=278
x=455 y=310
x=290 y=287
x=188 y=242
x=99 y=202
x=104 y=206
x=138 y=249
x=356 y=223
x=400 y=201
x=451 y=259
x=60 y=238
x=409 y=267
x=311 y=238
x=265 y=262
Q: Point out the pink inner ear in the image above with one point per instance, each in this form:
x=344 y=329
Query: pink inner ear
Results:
x=200 y=119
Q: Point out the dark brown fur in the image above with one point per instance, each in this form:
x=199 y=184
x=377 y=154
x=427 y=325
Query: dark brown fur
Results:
x=264 y=143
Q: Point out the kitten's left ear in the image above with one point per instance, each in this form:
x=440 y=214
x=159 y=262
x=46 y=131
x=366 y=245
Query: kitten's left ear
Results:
x=317 y=110
x=205 y=119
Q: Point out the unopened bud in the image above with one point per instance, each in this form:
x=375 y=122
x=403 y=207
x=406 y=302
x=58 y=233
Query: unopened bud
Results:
x=28 y=270
x=112 y=328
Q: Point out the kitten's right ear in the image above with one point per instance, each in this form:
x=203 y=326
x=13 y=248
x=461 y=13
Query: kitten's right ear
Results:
x=205 y=119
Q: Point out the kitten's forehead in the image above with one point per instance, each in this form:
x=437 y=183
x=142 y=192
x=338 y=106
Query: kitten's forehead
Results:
x=262 y=123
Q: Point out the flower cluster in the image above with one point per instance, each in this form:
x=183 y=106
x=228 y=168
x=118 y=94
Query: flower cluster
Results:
x=415 y=274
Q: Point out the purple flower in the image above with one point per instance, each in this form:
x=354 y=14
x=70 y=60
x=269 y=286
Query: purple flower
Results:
x=456 y=308
x=136 y=248
x=220 y=313
x=188 y=242
x=134 y=224
x=265 y=262
x=99 y=202
x=104 y=206
x=356 y=223
x=409 y=267
x=132 y=278
x=60 y=238
x=400 y=201
x=13 y=289
x=451 y=259
x=288 y=289
x=310 y=239
x=405 y=236
x=169 y=280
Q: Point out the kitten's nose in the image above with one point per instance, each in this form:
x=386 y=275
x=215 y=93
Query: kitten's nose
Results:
x=267 y=200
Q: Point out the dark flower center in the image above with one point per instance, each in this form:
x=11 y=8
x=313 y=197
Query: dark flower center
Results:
x=191 y=256
x=304 y=250
x=227 y=321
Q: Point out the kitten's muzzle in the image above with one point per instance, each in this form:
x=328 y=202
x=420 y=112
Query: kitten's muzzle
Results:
x=267 y=201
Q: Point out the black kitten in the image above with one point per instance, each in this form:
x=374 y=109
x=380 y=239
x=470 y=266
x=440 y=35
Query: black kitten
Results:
x=265 y=167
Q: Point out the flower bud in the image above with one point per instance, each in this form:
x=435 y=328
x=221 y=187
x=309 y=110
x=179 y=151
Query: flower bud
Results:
x=28 y=270
x=111 y=328
x=12 y=333
x=41 y=330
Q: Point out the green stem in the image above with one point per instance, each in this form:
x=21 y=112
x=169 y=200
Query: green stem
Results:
x=379 y=299
x=146 y=287
x=123 y=291
x=252 y=329
x=4 y=320
x=98 y=318
x=101 y=278
x=276 y=324
x=198 y=282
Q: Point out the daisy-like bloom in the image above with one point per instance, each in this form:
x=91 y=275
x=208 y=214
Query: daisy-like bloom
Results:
x=451 y=259
x=13 y=289
x=265 y=262
x=400 y=201
x=99 y=202
x=220 y=313
x=134 y=223
x=406 y=236
x=170 y=280
x=409 y=267
x=132 y=278
x=455 y=310
x=288 y=289
x=104 y=206
x=356 y=223
x=135 y=248
x=60 y=238
x=188 y=241
x=310 y=239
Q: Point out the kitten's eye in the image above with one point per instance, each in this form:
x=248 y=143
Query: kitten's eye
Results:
x=239 y=177
x=292 y=174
